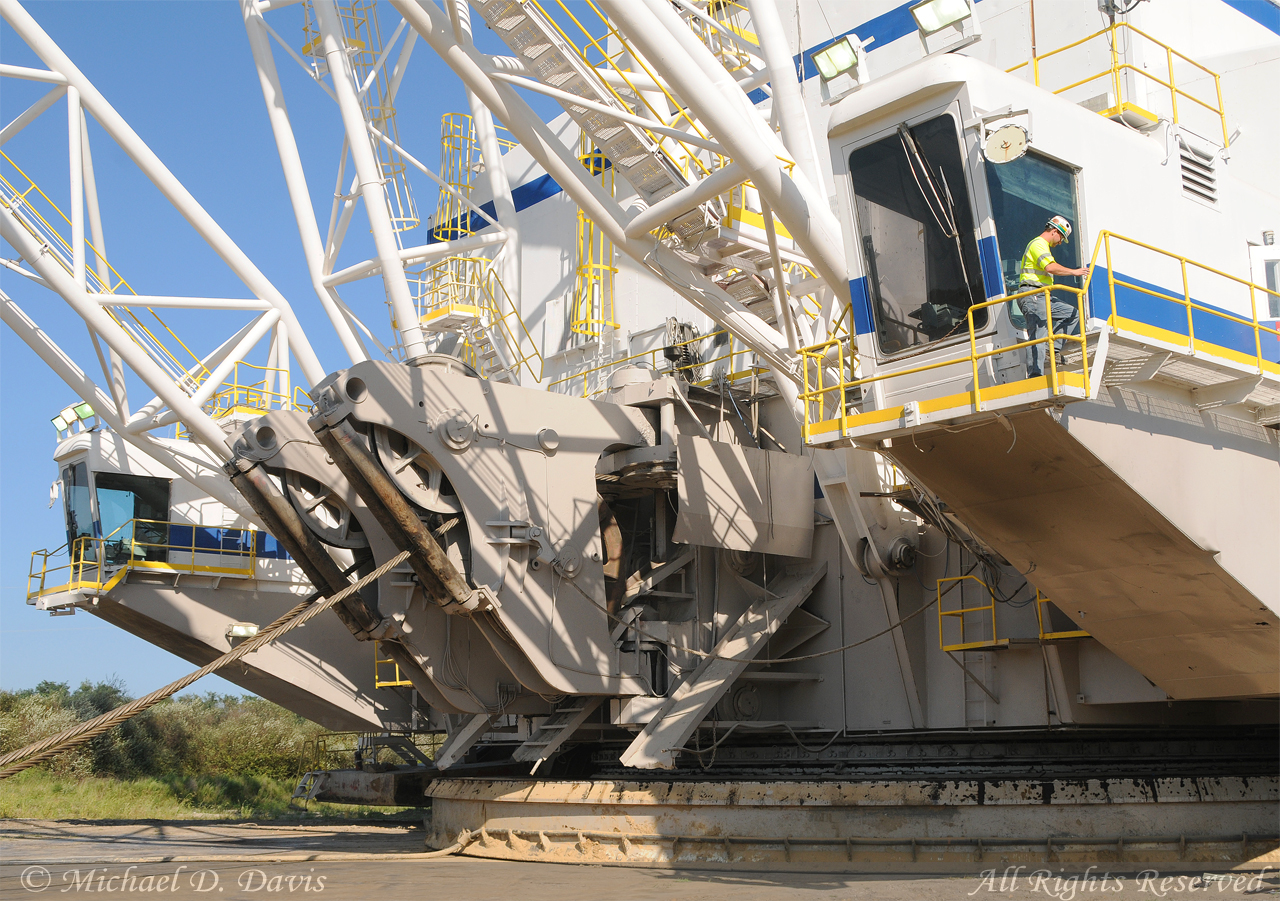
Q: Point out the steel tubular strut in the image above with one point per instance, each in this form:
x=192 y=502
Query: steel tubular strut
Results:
x=283 y=522
x=439 y=576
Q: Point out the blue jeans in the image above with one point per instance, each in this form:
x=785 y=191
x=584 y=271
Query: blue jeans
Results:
x=1066 y=321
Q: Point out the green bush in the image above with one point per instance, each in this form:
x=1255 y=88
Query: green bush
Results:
x=191 y=736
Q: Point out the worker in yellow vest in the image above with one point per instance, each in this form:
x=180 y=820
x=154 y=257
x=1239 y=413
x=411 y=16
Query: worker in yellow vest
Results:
x=1038 y=270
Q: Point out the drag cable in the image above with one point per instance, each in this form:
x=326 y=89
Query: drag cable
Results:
x=17 y=761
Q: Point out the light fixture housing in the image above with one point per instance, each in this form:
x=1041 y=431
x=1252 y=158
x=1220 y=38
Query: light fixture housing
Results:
x=842 y=65
x=945 y=26
x=60 y=424
x=241 y=631
x=836 y=58
x=83 y=411
x=934 y=15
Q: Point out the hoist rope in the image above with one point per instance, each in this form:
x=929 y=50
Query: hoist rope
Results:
x=37 y=752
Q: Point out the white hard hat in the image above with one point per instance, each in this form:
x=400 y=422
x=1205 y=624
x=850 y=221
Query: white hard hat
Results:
x=1062 y=225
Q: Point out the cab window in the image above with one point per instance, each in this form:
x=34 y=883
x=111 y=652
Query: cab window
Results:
x=1025 y=194
x=916 y=232
x=144 y=501
x=75 y=499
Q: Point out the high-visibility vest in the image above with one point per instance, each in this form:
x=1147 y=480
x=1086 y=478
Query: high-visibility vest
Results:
x=1035 y=259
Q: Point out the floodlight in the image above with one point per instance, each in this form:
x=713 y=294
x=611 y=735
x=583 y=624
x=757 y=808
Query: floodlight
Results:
x=60 y=424
x=836 y=58
x=83 y=411
x=242 y=630
x=935 y=15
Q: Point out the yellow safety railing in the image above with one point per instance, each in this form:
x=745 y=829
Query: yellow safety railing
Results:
x=394 y=678
x=468 y=289
x=1114 y=72
x=259 y=396
x=100 y=564
x=364 y=45
x=692 y=160
x=830 y=371
x=457 y=164
x=829 y=367
x=593 y=311
x=985 y=614
x=1110 y=243
x=721 y=29
x=256 y=396
x=23 y=202
x=1044 y=618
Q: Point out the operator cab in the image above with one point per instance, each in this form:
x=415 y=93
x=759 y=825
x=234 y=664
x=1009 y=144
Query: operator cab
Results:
x=935 y=227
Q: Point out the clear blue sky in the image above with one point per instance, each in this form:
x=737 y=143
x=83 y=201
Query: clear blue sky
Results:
x=181 y=74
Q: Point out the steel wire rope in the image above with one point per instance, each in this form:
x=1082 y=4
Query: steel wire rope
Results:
x=37 y=752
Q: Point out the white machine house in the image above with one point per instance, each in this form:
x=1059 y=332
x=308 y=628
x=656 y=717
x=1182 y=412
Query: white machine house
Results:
x=705 y=413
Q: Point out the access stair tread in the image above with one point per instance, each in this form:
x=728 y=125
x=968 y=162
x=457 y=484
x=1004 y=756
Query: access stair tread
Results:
x=461 y=739
x=635 y=154
x=555 y=730
x=694 y=697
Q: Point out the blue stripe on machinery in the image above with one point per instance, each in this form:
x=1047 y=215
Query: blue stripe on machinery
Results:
x=992 y=277
x=1171 y=315
x=860 y=304
x=1264 y=12
x=524 y=196
x=885 y=28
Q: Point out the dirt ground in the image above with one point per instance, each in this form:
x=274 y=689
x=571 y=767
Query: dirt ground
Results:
x=183 y=860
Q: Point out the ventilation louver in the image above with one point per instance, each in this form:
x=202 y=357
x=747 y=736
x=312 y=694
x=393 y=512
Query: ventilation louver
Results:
x=1199 y=179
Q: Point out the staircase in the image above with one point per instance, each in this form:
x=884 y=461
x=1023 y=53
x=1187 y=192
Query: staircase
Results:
x=463 y=296
x=309 y=786
x=726 y=233
x=646 y=163
x=656 y=745
x=556 y=729
x=489 y=360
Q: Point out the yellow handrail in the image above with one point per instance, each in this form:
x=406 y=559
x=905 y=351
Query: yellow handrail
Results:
x=818 y=354
x=960 y=613
x=396 y=680
x=101 y=563
x=692 y=155
x=817 y=392
x=189 y=376
x=592 y=313
x=251 y=395
x=1117 y=67
x=1116 y=320
x=1050 y=635
x=469 y=287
